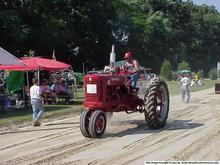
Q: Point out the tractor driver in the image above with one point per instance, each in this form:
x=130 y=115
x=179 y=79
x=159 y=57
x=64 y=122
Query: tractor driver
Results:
x=133 y=65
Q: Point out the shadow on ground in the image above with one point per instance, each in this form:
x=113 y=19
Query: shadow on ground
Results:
x=142 y=128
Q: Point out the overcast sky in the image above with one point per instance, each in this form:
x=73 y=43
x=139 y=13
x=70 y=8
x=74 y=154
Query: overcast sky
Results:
x=215 y=3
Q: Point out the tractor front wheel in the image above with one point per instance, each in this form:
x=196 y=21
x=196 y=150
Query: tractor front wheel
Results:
x=157 y=104
x=97 y=124
x=84 y=122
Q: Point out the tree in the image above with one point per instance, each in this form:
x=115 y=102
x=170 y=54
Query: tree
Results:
x=202 y=42
x=183 y=65
x=166 y=70
x=154 y=30
x=213 y=74
x=12 y=30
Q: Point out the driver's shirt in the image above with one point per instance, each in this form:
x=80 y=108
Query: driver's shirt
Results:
x=129 y=65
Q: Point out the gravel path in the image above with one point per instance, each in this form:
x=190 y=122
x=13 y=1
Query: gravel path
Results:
x=192 y=133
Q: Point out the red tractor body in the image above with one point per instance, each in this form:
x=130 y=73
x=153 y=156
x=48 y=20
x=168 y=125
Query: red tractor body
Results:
x=112 y=92
x=108 y=92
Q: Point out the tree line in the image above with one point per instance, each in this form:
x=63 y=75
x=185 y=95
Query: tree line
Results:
x=83 y=31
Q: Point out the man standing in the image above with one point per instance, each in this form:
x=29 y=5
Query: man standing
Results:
x=185 y=83
x=36 y=102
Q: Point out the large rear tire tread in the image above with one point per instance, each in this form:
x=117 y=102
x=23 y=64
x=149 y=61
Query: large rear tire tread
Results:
x=84 y=122
x=151 y=116
x=93 y=123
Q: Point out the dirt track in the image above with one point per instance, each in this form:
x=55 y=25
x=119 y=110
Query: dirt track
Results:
x=192 y=133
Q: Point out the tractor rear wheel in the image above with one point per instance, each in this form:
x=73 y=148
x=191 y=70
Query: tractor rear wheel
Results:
x=84 y=122
x=157 y=104
x=97 y=124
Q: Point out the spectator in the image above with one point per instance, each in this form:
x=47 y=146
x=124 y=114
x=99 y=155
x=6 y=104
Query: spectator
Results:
x=36 y=102
x=53 y=87
x=46 y=92
x=71 y=78
x=64 y=91
x=185 y=83
x=4 y=100
x=45 y=88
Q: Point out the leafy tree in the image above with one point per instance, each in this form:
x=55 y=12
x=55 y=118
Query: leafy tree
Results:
x=154 y=30
x=12 y=30
x=166 y=70
x=212 y=74
x=201 y=48
x=30 y=54
x=183 y=65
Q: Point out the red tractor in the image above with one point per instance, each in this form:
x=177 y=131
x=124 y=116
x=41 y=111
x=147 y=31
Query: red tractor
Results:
x=107 y=92
x=112 y=92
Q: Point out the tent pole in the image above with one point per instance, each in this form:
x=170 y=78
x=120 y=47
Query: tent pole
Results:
x=23 y=93
x=28 y=87
x=38 y=74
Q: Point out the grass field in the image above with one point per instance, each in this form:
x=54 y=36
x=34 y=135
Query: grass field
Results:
x=173 y=90
x=52 y=112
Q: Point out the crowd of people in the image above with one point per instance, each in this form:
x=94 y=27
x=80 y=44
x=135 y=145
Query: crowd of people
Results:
x=58 y=89
x=57 y=85
x=44 y=93
x=54 y=87
x=4 y=100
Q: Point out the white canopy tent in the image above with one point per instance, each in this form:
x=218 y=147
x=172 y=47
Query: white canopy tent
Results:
x=7 y=58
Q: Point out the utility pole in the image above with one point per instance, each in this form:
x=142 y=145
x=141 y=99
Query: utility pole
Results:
x=83 y=65
x=218 y=69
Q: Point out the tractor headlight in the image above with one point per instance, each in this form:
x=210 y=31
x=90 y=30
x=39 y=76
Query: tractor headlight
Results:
x=91 y=88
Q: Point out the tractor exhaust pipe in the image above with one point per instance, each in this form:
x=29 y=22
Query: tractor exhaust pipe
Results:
x=112 y=57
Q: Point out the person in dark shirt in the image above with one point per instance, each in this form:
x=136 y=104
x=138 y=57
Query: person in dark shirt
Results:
x=4 y=100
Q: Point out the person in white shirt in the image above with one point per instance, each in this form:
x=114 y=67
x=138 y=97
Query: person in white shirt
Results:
x=185 y=83
x=36 y=102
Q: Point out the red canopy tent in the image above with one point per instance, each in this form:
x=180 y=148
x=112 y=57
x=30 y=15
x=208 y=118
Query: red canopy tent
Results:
x=37 y=63
x=34 y=63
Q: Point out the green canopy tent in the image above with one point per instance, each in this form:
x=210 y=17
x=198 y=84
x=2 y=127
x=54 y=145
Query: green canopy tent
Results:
x=15 y=81
x=184 y=71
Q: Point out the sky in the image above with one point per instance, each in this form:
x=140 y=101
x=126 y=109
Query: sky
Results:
x=215 y=3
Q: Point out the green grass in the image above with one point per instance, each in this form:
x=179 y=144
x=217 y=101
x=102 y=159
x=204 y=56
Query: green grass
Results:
x=173 y=90
x=79 y=93
x=19 y=116
x=52 y=112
